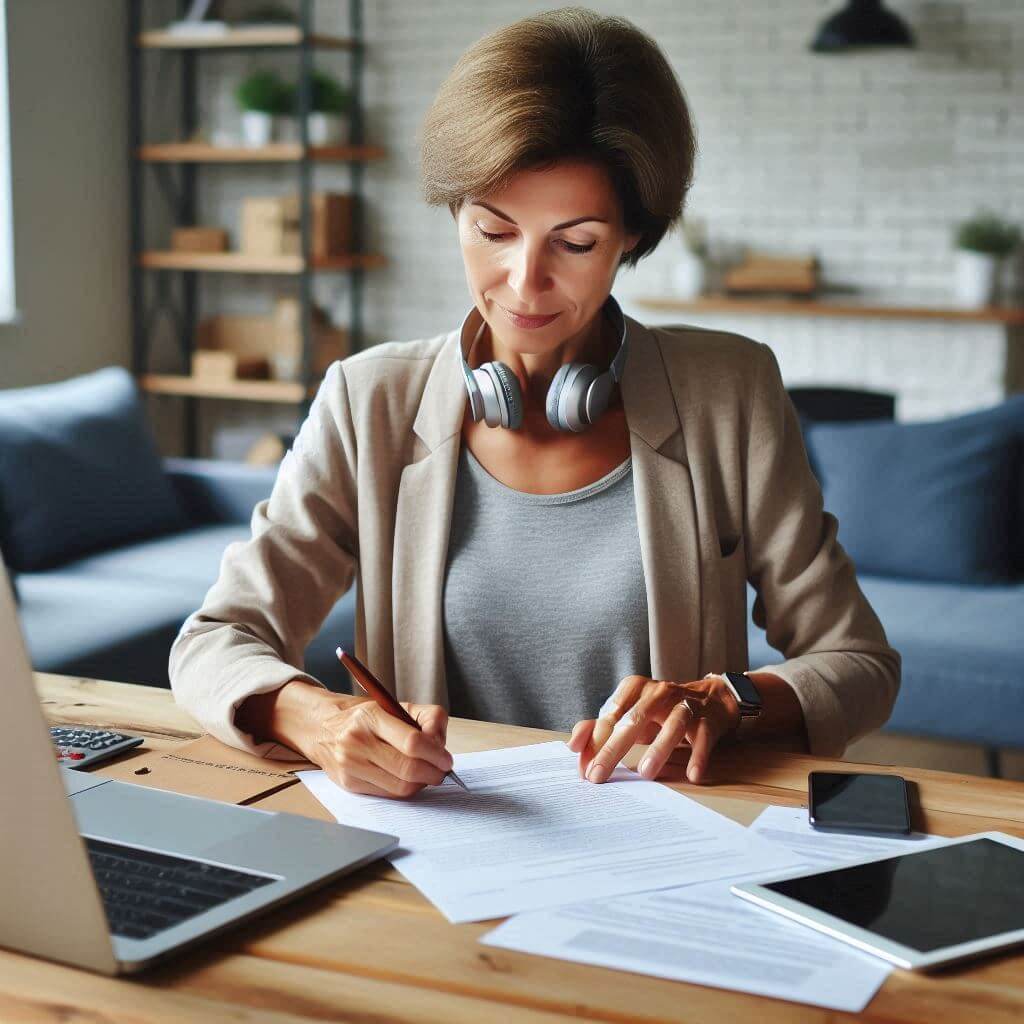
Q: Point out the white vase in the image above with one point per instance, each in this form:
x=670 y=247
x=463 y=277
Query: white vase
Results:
x=688 y=276
x=976 y=274
x=326 y=129
x=257 y=128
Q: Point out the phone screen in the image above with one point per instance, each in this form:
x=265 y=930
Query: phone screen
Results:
x=858 y=802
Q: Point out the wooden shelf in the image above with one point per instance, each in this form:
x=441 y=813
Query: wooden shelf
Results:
x=279 y=152
x=828 y=307
x=285 y=35
x=244 y=263
x=284 y=391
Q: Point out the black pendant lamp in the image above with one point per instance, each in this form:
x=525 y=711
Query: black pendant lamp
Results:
x=861 y=23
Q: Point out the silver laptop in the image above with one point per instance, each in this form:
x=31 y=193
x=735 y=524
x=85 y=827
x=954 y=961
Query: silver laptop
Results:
x=114 y=877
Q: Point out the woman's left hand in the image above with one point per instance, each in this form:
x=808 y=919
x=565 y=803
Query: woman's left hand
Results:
x=663 y=714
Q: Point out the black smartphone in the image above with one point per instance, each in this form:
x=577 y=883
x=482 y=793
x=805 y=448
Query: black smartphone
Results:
x=858 y=802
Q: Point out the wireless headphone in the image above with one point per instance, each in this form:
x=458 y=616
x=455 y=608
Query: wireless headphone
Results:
x=577 y=397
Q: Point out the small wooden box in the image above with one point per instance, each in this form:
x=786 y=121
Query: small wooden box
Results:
x=199 y=239
x=216 y=365
x=271 y=225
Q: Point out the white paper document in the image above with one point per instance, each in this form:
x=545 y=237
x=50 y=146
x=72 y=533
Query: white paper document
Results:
x=704 y=934
x=789 y=826
x=532 y=834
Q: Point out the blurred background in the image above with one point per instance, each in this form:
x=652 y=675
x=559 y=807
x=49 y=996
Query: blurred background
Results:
x=222 y=198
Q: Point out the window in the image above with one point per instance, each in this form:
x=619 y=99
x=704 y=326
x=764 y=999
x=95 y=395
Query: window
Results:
x=6 y=218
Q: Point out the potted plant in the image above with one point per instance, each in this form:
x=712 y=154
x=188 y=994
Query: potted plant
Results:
x=330 y=105
x=982 y=243
x=261 y=96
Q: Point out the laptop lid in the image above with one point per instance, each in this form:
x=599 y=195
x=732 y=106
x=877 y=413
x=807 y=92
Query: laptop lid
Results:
x=48 y=878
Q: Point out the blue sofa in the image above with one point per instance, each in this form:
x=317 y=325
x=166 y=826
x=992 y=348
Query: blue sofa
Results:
x=109 y=546
x=932 y=514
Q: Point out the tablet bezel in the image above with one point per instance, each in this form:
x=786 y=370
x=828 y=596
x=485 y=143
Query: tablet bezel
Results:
x=868 y=941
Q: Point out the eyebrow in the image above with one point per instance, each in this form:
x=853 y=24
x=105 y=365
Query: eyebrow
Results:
x=557 y=227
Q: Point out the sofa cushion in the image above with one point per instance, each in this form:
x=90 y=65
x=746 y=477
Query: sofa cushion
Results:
x=100 y=627
x=191 y=557
x=79 y=471
x=961 y=649
x=928 y=501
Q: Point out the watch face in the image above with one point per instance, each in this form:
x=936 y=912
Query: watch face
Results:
x=745 y=688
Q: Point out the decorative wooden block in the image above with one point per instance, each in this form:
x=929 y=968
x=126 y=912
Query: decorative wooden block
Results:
x=270 y=226
x=199 y=239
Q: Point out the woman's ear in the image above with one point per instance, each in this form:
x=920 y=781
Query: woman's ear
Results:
x=631 y=242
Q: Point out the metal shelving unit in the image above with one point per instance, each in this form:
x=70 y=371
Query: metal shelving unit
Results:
x=180 y=191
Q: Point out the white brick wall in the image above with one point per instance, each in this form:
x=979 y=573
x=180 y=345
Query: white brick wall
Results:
x=865 y=158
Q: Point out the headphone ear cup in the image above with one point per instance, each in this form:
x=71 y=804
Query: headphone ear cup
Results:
x=554 y=394
x=510 y=399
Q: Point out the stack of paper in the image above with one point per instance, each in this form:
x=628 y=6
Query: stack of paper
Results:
x=530 y=833
x=630 y=875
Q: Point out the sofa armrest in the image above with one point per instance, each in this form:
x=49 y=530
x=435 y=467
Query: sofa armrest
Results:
x=213 y=491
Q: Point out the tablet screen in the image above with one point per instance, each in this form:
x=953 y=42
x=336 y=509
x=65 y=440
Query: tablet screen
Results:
x=926 y=900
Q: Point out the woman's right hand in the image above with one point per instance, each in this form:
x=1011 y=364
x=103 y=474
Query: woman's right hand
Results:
x=360 y=746
x=365 y=750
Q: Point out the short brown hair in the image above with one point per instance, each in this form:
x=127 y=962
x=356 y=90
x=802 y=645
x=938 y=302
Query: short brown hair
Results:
x=566 y=84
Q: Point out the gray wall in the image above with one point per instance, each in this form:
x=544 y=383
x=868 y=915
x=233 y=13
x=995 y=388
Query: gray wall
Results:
x=69 y=181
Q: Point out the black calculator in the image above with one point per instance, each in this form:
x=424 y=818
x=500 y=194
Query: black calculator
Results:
x=78 y=746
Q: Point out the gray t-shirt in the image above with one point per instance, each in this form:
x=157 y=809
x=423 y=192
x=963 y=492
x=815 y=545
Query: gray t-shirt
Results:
x=544 y=603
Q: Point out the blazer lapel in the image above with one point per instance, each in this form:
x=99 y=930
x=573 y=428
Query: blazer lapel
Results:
x=666 y=512
x=422 y=527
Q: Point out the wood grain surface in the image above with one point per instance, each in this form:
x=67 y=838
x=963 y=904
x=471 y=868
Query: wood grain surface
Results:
x=370 y=948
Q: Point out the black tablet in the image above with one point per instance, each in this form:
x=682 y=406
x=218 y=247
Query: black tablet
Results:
x=951 y=900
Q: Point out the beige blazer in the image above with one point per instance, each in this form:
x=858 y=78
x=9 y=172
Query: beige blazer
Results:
x=724 y=494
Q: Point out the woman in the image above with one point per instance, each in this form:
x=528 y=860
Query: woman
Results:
x=524 y=536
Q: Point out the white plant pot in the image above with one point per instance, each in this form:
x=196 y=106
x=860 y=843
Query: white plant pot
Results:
x=257 y=128
x=688 y=276
x=976 y=274
x=326 y=129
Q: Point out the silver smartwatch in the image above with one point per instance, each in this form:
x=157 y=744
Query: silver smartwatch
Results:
x=748 y=697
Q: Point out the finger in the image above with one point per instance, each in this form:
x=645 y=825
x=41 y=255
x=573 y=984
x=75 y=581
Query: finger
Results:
x=404 y=768
x=619 y=743
x=406 y=739
x=357 y=775
x=626 y=694
x=433 y=720
x=580 y=735
x=584 y=746
x=703 y=743
x=672 y=733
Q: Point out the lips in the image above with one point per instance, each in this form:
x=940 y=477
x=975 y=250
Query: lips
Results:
x=528 y=322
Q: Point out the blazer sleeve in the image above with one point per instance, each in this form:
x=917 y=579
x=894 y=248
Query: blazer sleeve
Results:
x=275 y=589
x=837 y=658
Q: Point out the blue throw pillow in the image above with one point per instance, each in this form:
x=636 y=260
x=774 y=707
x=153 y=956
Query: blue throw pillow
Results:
x=79 y=471
x=937 y=500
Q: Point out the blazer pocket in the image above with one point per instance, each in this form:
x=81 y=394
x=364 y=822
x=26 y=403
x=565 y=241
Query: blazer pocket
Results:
x=728 y=545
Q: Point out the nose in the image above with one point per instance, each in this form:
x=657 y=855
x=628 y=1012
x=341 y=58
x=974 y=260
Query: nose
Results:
x=528 y=275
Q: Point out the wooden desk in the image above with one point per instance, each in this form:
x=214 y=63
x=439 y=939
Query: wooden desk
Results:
x=321 y=957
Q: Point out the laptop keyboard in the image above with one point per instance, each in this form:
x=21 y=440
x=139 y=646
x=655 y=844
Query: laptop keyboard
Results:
x=145 y=892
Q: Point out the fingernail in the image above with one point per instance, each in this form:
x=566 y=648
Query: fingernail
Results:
x=645 y=766
x=596 y=773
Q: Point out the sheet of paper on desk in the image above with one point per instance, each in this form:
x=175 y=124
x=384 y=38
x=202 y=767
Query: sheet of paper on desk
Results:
x=531 y=834
x=705 y=935
x=789 y=827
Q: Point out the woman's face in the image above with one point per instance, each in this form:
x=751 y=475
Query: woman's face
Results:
x=547 y=244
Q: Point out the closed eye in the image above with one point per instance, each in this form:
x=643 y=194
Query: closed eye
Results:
x=569 y=247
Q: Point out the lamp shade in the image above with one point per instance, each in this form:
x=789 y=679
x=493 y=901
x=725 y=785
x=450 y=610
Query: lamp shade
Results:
x=861 y=23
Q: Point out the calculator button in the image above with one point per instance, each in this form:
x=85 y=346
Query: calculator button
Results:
x=76 y=756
